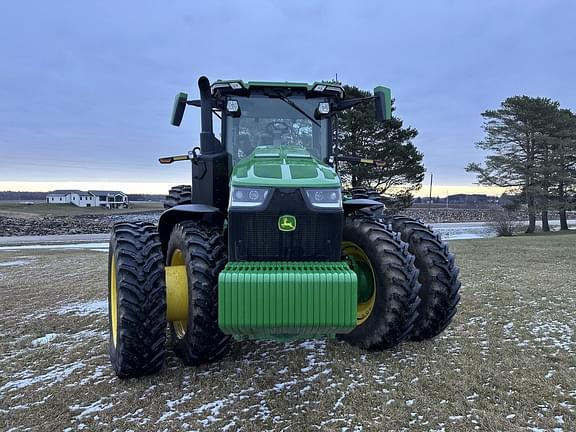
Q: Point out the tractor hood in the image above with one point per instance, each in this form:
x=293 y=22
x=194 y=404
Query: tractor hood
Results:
x=283 y=167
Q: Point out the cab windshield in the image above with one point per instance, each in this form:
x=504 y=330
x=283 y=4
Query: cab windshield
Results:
x=266 y=121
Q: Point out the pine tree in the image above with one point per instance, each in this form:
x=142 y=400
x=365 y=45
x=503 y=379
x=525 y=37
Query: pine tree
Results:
x=359 y=134
x=518 y=140
x=563 y=164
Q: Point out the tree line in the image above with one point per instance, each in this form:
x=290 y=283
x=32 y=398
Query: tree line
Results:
x=531 y=145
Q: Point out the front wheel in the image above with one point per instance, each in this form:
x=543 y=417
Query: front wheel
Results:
x=201 y=249
x=387 y=284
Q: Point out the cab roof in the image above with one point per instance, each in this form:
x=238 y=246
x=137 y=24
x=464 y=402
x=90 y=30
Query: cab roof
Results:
x=314 y=89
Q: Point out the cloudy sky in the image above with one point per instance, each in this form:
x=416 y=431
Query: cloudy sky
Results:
x=86 y=88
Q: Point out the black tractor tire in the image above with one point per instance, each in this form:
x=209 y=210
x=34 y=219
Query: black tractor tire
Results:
x=438 y=276
x=181 y=194
x=205 y=255
x=361 y=193
x=136 y=266
x=396 y=282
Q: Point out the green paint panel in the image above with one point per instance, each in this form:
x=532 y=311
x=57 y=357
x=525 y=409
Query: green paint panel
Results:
x=388 y=98
x=286 y=300
x=283 y=166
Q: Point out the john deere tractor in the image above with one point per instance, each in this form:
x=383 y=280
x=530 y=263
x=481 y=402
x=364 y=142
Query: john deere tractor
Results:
x=263 y=244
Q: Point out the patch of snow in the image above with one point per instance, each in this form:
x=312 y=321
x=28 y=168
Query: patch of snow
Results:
x=510 y=416
x=84 y=309
x=554 y=334
x=229 y=426
x=44 y=339
x=94 y=407
x=312 y=345
x=59 y=373
x=214 y=409
x=98 y=373
x=410 y=402
x=285 y=385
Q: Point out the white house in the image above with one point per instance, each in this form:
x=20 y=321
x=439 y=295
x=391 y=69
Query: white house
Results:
x=109 y=199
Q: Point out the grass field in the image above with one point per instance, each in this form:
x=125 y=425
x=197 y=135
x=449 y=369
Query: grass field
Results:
x=506 y=363
x=11 y=209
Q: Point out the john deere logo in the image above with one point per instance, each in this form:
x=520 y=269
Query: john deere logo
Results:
x=287 y=223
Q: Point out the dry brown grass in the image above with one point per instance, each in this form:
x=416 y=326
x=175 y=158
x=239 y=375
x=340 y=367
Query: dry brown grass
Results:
x=10 y=209
x=506 y=363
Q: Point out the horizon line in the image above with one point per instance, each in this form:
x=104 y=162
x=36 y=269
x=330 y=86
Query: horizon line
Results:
x=162 y=188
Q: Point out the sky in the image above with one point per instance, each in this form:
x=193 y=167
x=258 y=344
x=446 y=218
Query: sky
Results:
x=86 y=88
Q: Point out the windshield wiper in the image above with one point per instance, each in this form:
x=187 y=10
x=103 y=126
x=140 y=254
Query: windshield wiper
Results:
x=297 y=108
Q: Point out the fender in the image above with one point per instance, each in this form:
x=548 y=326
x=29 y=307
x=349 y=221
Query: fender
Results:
x=184 y=212
x=353 y=205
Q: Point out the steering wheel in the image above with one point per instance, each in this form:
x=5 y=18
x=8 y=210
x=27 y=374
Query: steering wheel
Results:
x=278 y=128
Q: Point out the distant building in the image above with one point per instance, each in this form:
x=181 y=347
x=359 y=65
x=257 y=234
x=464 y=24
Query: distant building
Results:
x=93 y=198
x=471 y=199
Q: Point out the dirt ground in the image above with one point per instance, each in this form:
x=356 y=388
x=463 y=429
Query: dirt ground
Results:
x=506 y=363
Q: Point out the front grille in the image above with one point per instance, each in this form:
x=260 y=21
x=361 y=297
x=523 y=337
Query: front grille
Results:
x=254 y=235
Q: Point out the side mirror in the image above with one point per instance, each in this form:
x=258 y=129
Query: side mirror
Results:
x=178 y=110
x=383 y=103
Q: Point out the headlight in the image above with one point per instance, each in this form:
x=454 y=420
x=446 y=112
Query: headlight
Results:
x=248 y=196
x=325 y=198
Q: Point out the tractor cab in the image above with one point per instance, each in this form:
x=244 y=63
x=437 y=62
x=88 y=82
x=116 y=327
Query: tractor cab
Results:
x=273 y=114
x=292 y=119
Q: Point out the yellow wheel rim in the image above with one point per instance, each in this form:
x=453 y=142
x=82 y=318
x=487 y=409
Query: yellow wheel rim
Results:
x=177 y=259
x=364 y=308
x=114 y=302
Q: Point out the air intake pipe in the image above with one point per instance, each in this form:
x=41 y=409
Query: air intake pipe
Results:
x=208 y=142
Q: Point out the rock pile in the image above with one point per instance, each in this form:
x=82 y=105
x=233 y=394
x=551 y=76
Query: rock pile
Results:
x=59 y=225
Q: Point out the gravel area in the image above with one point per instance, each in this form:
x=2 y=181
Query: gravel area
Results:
x=59 y=225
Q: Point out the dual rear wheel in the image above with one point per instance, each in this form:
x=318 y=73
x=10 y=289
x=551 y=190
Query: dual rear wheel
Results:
x=408 y=285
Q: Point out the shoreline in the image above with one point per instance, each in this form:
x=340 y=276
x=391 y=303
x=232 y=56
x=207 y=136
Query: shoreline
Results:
x=448 y=230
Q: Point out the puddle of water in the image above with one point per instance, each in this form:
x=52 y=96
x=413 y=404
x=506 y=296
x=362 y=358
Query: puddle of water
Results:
x=100 y=247
x=15 y=263
x=455 y=232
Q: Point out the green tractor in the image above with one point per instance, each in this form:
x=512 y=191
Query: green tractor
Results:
x=264 y=245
